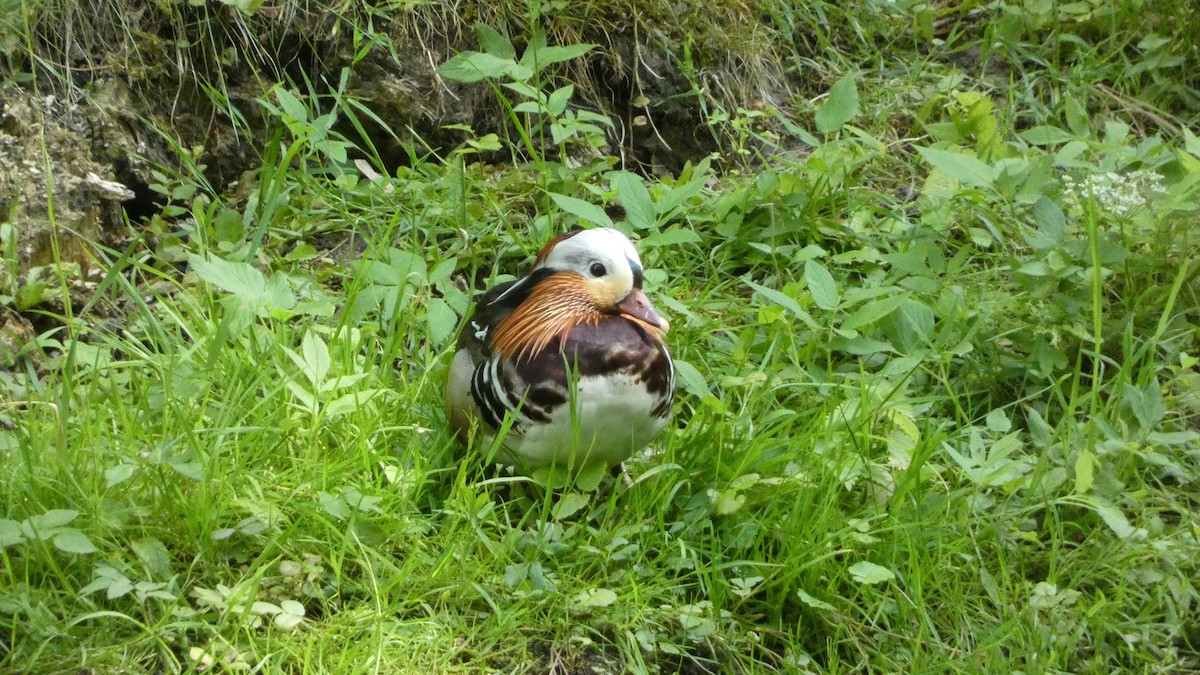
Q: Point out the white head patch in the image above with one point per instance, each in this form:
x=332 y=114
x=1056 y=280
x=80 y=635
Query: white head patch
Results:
x=602 y=253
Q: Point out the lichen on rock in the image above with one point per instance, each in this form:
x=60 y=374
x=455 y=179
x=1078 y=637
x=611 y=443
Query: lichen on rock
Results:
x=51 y=184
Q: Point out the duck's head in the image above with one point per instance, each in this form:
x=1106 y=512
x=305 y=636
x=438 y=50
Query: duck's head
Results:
x=609 y=267
x=578 y=278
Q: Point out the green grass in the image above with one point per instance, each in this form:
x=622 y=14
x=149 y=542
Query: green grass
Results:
x=936 y=333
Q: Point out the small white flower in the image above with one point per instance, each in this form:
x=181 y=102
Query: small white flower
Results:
x=1114 y=192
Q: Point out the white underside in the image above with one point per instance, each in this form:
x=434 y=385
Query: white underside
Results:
x=461 y=407
x=611 y=421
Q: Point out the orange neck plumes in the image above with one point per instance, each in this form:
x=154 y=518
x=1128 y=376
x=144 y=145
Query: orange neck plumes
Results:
x=555 y=305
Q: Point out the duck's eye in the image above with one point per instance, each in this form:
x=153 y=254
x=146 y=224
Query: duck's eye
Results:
x=597 y=269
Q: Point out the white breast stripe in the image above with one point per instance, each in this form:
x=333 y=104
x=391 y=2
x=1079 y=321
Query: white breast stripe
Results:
x=670 y=372
x=493 y=379
x=480 y=331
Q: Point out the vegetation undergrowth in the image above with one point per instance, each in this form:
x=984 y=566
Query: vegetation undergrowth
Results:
x=935 y=332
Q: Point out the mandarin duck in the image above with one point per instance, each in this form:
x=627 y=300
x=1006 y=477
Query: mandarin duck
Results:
x=571 y=356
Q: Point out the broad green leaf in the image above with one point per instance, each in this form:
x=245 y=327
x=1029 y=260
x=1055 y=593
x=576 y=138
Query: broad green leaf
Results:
x=1050 y=219
x=1146 y=404
x=1191 y=142
x=635 y=198
x=52 y=519
x=118 y=588
x=906 y=424
x=1114 y=518
x=1115 y=132
x=260 y=608
x=485 y=143
x=229 y=225
x=342 y=381
x=334 y=505
x=552 y=477
x=397 y=268
x=493 y=42
x=469 y=67
x=783 y=300
x=1034 y=268
x=997 y=421
x=238 y=278
x=348 y=403
x=10 y=533
x=569 y=504
x=525 y=90
x=1085 y=464
x=813 y=602
x=115 y=475
x=872 y=311
x=291 y=615
x=921 y=285
x=691 y=379
x=104 y=576
x=810 y=252
x=192 y=470
x=514 y=575
x=745 y=480
x=860 y=345
x=689 y=188
x=855 y=295
x=586 y=116
x=321 y=305
x=589 y=477
x=279 y=296
x=536 y=41
x=915 y=260
x=393 y=280
x=695 y=622
x=443 y=271
x=673 y=236
x=307 y=399
x=1078 y=119
x=334 y=150
x=593 y=597
x=910 y=328
x=153 y=553
x=560 y=133
x=441 y=320
x=538 y=55
x=728 y=501
x=556 y=103
x=316 y=361
x=291 y=105
x=870 y=573
x=840 y=106
x=743 y=587
x=551 y=55
x=292 y=607
x=1189 y=165
x=1046 y=135
x=530 y=108
x=966 y=168
x=73 y=541
x=821 y=285
x=581 y=209
x=285 y=621
x=1173 y=437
